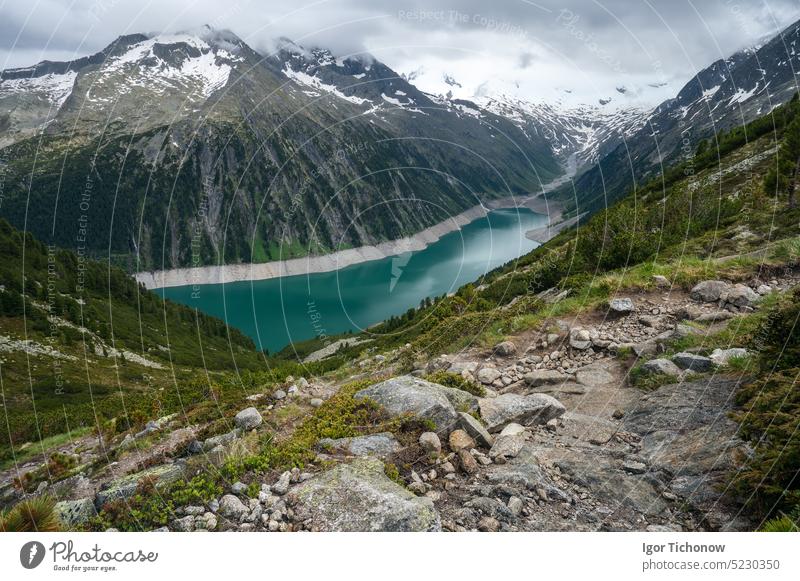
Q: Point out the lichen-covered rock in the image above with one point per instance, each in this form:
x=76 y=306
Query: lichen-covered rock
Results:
x=411 y=395
x=621 y=306
x=232 y=508
x=125 y=487
x=360 y=497
x=75 y=512
x=379 y=445
x=537 y=408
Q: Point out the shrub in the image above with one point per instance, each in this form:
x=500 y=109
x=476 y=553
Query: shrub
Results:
x=456 y=381
x=31 y=515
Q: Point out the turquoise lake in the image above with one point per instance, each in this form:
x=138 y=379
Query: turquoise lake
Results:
x=279 y=311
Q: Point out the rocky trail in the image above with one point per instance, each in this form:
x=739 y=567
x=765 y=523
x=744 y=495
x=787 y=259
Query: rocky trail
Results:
x=560 y=438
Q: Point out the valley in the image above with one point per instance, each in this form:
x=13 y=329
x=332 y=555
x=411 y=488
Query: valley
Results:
x=290 y=291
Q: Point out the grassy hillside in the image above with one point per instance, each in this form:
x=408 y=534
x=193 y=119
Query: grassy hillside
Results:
x=82 y=344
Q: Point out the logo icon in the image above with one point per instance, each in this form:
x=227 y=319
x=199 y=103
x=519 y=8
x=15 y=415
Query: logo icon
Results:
x=31 y=554
x=399 y=263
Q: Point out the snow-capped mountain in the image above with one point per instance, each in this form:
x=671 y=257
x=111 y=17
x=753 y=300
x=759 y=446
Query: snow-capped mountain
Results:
x=196 y=132
x=137 y=80
x=729 y=93
x=586 y=132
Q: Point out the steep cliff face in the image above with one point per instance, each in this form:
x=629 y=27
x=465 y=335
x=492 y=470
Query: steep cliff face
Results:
x=194 y=149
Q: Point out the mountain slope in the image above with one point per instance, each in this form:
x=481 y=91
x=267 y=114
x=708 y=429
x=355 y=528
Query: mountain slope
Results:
x=724 y=96
x=203 y=151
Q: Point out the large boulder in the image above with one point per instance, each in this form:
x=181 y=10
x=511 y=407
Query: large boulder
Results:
x=411 y=395
x=360 y=497
x=537 y=408
x=710 y=291
x=248 y=418
x=126 y=486
x=379 y=445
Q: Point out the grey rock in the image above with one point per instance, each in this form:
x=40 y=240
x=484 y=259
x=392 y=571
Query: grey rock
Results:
x=232 y=508
x=360 y=497
x=742 y=296
x=430 y=442
x=184 y=524
x=221 y=440
x=710 y=291
x=380 y=445
x=715 y=317
x=634 y=467
x=544 y=377
x=580 y=339
x=693 y=362
x=723 y=356
x=316 y=402
x=488 y=375
x=279 y=394
x=661 y=281
x=281 y=487
x=239 y=488
x=661 y=367
x=515 y=505
x=195 y=447
x=505 y=349
x=406 y=394
x=622 y=306
x=537 y=408
x=475 y=429
x=645 y=348
x=509 y=443
x=248 y=418
x=75 y=512
x=594 y=377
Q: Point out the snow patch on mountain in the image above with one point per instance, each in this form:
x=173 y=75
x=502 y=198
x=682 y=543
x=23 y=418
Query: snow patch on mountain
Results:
x=184 y=62
x=304 y=79
x=53 y=87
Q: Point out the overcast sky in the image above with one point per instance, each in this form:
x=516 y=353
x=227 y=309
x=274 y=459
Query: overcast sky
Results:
x=632 y=51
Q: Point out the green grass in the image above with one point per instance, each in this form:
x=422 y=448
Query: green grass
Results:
x=28 y=450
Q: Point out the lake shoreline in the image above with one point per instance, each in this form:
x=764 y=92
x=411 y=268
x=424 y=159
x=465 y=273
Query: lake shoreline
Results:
x=228 y=273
